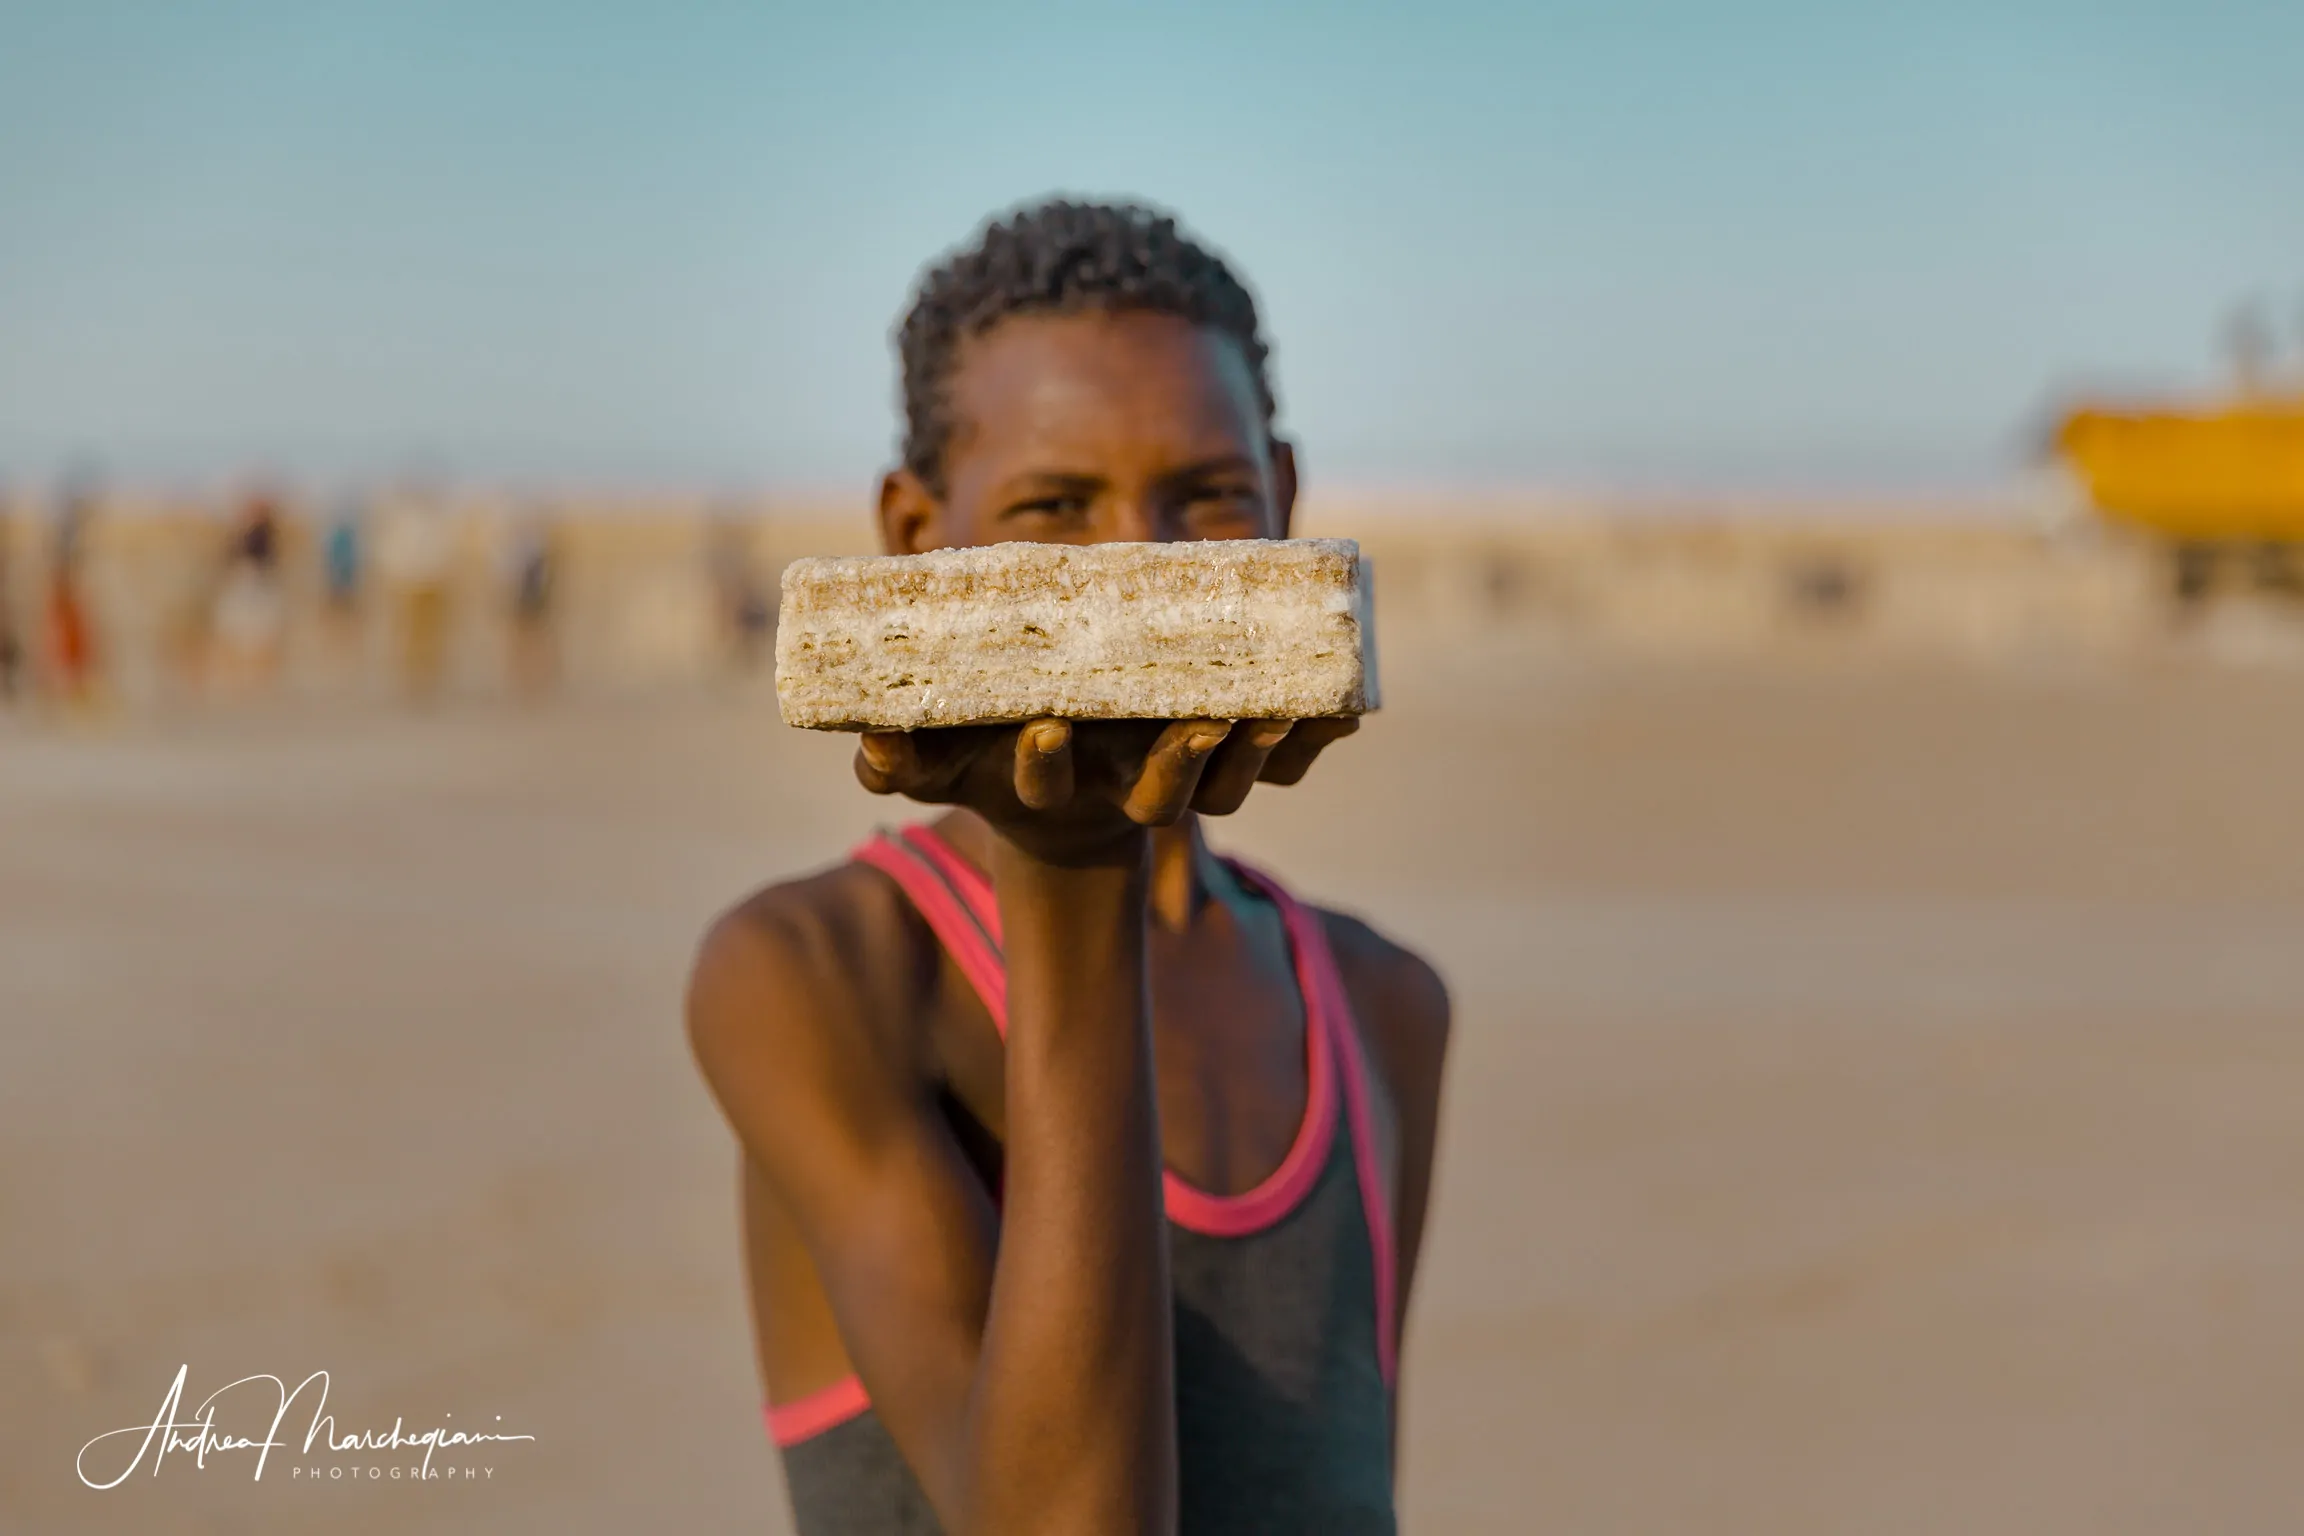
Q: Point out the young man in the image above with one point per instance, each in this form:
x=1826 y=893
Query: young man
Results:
x=1084 y=1171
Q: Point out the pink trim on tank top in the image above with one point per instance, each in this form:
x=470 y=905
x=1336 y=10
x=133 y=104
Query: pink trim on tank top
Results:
x=954 y=922
x=807 y=1417
x=972 y=935
x=974 y=886
x=1285 y=1188
x=958 y=903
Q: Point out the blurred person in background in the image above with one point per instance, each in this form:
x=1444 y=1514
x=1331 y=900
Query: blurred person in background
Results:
x=415 y=555
x=530 y=574
x=1084 y=1170
x=11 y=640
x=746 y=611
x=72 y=657
x=340 y=564
x=249 y=619
x=342 y=575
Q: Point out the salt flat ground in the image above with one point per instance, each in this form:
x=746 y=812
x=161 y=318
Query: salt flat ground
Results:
x=1878 y=1104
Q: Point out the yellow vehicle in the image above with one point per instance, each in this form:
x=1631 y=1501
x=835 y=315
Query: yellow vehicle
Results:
x=2223 y=485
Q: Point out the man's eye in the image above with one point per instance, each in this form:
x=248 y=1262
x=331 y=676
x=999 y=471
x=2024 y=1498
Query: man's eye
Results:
x=1050 y=506
x=1222 y=504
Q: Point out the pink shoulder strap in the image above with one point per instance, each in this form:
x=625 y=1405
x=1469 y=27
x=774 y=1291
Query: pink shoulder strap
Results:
x=1326 y=1000
x=923 y=866
x=970 y=884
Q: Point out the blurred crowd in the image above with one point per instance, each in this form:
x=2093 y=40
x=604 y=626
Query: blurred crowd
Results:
x=277 y=586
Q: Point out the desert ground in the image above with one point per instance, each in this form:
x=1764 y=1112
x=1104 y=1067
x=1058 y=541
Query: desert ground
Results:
x=1877 y=1103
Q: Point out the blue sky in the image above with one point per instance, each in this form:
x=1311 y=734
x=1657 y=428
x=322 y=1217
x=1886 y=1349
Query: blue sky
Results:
x=1753 y=247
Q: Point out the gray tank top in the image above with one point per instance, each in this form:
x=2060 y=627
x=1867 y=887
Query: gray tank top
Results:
x=1283 y=1295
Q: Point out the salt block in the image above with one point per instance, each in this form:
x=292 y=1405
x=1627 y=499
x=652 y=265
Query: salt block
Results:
x=1220 y=629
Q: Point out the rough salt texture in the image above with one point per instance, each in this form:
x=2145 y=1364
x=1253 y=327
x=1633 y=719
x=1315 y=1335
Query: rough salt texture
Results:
x=1230 y=629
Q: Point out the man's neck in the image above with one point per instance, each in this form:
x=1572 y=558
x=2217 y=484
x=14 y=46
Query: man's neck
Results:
x=1180 y=861
x=1180 y=864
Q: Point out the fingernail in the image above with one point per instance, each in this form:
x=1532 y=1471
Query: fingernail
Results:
x=1208 y=739
x=1270 y=734
x=879 y=751
x=1050 y=736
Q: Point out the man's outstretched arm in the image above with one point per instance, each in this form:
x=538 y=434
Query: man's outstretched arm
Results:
x=1025 y=1377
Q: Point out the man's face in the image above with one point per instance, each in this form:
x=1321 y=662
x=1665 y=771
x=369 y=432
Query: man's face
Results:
x=1096 y=428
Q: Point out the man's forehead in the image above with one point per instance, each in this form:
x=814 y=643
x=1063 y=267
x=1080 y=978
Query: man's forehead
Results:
x=1099 y=375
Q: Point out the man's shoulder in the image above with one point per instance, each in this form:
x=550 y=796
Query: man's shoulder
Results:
x=1383 y=969
x=827 y=910
x=1399 y=1000
x=824 y=951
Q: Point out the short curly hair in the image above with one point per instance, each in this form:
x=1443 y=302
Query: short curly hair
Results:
x=1059 y=257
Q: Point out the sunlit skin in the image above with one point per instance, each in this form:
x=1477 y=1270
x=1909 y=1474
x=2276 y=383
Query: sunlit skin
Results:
x=1023 y=1364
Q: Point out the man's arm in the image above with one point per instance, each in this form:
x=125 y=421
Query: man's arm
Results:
x=1412 y=1045
x=898 y=1227
x=1031 y=1392
x=1405 y=1016
x=1074 y=1423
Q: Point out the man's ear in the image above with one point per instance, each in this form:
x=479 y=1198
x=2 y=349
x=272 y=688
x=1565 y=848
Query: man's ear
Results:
x=1284 y=484
x=910 y=514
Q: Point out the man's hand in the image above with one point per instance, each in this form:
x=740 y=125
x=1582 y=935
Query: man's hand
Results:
x=1065 y=792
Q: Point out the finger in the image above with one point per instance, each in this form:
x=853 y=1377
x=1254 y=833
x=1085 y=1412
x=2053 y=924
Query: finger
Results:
x=926 y=768
x=1044 y=764
x=886 y=762
x=1172 y=771
x=1292 y=759
x=1232 y=772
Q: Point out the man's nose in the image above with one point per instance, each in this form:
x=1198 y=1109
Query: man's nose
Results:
x=1135 y=520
